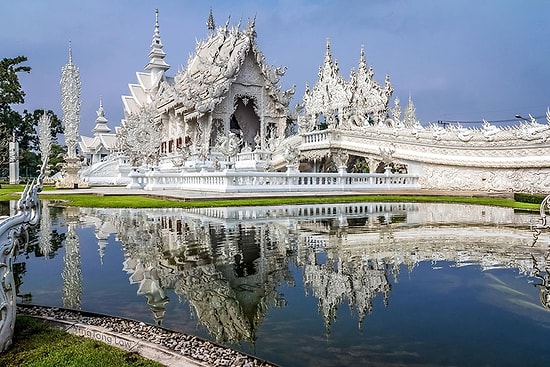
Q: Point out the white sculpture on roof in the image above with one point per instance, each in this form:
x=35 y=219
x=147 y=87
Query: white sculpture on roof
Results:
x=338 y=103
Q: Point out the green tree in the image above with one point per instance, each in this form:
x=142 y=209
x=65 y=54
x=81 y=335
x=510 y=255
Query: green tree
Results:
x=25 y=129
x=30 y=124
x=10 y=93
x=8 y=119
x=22 y=126
x=10 y=88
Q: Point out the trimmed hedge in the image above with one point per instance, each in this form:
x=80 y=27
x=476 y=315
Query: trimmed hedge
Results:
x=528 y=198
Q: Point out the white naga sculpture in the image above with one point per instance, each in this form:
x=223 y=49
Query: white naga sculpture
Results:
x=13 y=233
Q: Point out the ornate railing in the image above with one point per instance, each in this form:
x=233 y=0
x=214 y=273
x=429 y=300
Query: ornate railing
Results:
x=14 y=232
x=540 y=272
x=290 y=181
x=316 y=136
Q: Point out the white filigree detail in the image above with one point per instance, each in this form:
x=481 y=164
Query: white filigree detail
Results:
x=140 y=137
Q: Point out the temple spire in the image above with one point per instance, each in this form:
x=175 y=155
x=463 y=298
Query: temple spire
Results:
x=210 y=23
x=101 y=122
x=328 y=54
x=70 y=53
x=157 y=66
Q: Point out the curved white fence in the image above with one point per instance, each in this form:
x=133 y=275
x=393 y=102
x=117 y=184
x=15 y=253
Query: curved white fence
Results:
x=291 y=181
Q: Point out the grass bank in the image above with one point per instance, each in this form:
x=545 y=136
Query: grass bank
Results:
x=9 y=192
x=151 y=202
x=37 y=344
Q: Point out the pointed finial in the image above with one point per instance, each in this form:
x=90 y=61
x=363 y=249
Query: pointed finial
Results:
x=100 y=111
x=227 y=22
x=250 y=28
x=210 y=23
x=156 y=55
x=328 y=55
x=156 y=34
x=70 y=53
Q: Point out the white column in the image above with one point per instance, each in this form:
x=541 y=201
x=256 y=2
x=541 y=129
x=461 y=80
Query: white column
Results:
x=14 y=161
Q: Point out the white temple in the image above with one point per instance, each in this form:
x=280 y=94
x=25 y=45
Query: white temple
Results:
x=223 y=123
x=100 y=146
x=226 y=87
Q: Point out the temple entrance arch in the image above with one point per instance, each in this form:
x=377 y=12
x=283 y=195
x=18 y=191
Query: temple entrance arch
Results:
x=245 y=120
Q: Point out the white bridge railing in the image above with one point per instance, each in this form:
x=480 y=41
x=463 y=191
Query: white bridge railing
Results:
x=290 y=181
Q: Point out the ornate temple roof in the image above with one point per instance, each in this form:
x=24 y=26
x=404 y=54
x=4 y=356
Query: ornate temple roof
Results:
x=329 y=92
x=102 y=138
x=90 y=145
x=215 y=65
x=148 y=82
x=101 y=122
x=157 y=66
x=361 y=96
x=210 y=71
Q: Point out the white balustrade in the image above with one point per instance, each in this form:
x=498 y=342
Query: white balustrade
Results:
x=316 y=136
x=292 y=181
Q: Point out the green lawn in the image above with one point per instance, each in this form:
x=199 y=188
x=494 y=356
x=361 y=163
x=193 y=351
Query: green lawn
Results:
x=36 y=344
x=9 y=192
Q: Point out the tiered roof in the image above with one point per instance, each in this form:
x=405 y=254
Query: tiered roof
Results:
x=361 y=96
x=210 y=71
x=215 y=65
x=102 y=139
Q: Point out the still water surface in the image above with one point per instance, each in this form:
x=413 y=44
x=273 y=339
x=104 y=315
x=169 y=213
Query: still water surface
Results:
x=320 y=285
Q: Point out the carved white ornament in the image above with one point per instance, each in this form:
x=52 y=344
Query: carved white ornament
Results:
x=140 y=138
x=346 y=104
x=70 y=104
x=45 y=135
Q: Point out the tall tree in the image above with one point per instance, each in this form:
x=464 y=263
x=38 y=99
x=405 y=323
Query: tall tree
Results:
x=8 y=119
x=10 y=93
x=22 y=126
x=10 y=88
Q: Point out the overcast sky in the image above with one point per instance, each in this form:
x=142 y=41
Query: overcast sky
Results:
x=463 y=60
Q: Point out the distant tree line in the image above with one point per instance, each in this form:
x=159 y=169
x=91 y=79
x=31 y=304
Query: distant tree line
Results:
x=22 y=126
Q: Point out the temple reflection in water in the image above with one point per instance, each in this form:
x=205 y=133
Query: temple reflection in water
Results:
x=228 y=263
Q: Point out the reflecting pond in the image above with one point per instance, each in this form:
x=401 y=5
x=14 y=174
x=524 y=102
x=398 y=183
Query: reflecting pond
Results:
x=325 y=285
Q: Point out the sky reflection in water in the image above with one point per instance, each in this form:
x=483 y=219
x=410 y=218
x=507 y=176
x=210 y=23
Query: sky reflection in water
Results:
x=324 y=285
